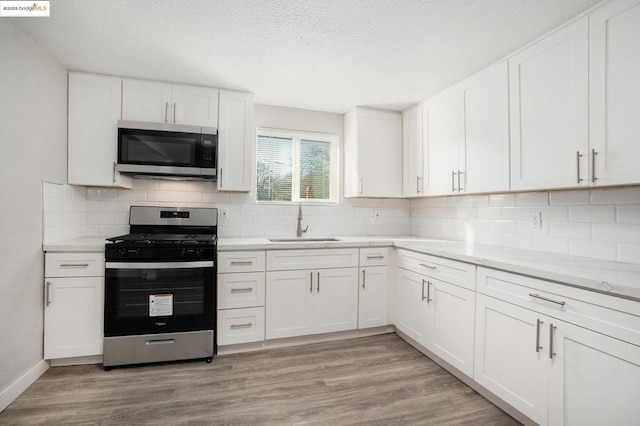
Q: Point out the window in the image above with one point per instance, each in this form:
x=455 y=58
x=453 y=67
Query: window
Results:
x=296 y=166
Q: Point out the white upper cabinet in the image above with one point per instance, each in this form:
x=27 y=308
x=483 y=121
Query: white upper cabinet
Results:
x=549 y=111
x=236 y=141
x=486 y=131
x=169 y=103
x=412 y=179
x=443 y=135
x=614 y=91
x=94 y=111
x=373 y=153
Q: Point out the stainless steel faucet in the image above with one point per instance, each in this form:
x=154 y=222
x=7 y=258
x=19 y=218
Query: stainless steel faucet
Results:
x=300 y=231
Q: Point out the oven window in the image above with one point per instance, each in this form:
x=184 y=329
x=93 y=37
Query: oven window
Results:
x=175 y=291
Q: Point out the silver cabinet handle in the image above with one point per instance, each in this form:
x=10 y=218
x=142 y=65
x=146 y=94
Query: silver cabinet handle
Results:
x=551 y=330
x=423 y=290
x=310 y=282
x=241 y=262
x=593 y=165
x=578 y=156
x=537 y=296
x=538 y=324
x=246 y=325
x=114 y=172
x=428 y=266
x=174 y=112
x=459 y=186
x=363 y=279
x=74 y=265
x=242 y=290
x=318 y=288
x=453 y=181
x=220 y=179
x=418 y=179
x=48 y=293
x=166 y=112
x=361 y=185
x=375 y=257
x=428 y=291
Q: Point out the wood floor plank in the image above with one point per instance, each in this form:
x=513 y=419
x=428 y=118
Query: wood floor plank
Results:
x=379 y=380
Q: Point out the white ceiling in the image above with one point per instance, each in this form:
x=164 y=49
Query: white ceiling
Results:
x=325 y=55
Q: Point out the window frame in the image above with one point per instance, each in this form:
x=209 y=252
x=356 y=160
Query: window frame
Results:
x=296 y=137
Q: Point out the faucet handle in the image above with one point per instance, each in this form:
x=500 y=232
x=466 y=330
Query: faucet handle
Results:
x=305 y=229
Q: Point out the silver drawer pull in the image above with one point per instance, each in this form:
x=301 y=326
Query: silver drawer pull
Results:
x=242 y=263
x=160 y=342
x=246 y=325
x=74 y=265
x=537 y=296
x=375 y=257
x=428 y=266
x=242 y=290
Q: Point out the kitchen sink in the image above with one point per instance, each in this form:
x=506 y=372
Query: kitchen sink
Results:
x=303 y=240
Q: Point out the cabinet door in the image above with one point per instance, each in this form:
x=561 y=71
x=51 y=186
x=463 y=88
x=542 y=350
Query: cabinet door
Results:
x=146 y=101
x=594 y=379
x=450 y=329
x=289 y=304
x=614 y=93
x=412 y=179
x=194 y=105
x=486 y=131
x=335 y=300
x=549 y=111
x=508 y=360
x=236 y=141
x=411 y=305
x=443 y=137
x=372 y=300
x=73 y=317
x=373 y=153
x=94 y=111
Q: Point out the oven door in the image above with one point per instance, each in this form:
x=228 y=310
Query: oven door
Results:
x=160 y=297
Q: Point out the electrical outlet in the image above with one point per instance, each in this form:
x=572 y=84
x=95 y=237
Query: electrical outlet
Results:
x=377 y=215
x=224 y=216
x=536 y=220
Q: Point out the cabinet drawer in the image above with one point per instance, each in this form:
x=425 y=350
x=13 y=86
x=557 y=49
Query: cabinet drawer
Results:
x=241 y=290
x=374 y=256
x=240 y=261
x=240 y=325
x=74 y=265
x=283 y=260
x=451 y=271
x=610 y=315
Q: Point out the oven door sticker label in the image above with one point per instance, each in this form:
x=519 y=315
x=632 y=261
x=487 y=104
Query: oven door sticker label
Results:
x=160 y=305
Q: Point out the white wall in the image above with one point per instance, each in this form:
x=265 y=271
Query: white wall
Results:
x=33 y=148
x=597 y=223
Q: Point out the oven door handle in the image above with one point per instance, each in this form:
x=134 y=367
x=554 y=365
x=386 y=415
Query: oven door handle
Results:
x=158 y=265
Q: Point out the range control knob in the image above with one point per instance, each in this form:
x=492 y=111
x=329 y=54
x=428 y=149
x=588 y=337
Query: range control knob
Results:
x=191 y=253
x=129 y=252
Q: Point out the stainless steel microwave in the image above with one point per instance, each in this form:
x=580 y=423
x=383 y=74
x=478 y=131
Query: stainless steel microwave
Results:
x=166 y=150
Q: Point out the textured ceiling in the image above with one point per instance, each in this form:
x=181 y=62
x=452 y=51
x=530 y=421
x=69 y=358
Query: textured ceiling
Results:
x=325 y=55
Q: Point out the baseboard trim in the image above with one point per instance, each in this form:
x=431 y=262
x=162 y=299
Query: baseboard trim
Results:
x=303 y=340
x=14 y=390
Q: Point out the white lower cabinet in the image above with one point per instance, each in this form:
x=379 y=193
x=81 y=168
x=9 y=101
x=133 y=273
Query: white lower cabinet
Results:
x=310 y=302
x=73 y=311
x=372 y=298
x=437 y=314
x=535 y=352
x=241 y=297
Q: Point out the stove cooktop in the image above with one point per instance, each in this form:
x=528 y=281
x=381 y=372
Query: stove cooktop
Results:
x=164 y=239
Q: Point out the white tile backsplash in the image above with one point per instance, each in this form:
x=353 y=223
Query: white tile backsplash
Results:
x=602 y=223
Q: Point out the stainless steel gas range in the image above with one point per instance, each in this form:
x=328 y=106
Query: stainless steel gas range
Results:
x=160 y=287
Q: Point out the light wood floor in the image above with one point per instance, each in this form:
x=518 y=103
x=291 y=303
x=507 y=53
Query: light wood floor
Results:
x=378 y=380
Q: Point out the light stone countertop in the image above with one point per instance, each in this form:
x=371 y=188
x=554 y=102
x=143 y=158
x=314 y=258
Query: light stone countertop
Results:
x=608 y=277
